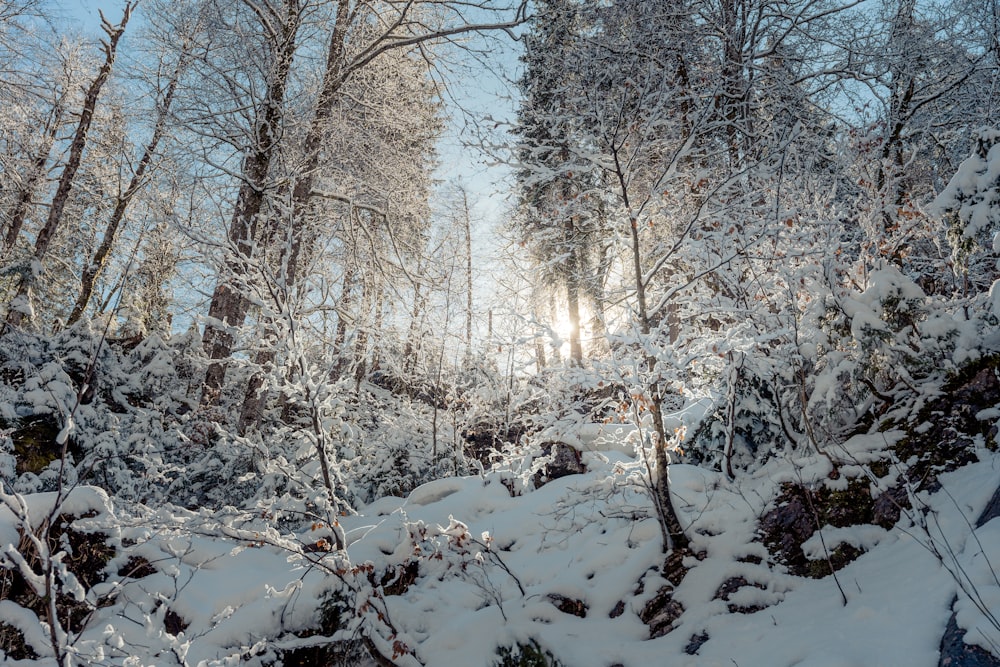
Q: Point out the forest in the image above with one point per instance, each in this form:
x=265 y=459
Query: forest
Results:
x=715 y=382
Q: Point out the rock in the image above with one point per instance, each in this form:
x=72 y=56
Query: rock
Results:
x=35 y=445
x=563 y=460
x=695 y=643
x=802 y=511
x=661 y=612
x=730 y=586
x=949 y=441
x=889 y=505
x=136 y=567
x=173 y=623
x=568 y=605
x=956 y=653
x=991 y=511
x=86 y=556
x=484 y=440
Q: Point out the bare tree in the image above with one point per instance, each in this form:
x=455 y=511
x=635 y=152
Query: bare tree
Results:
x=29 y=184
x=20 y=306
x=124 y=198
x=360 y=34
x=280 y=25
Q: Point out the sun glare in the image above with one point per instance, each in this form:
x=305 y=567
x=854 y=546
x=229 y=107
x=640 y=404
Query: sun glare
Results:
x=562 y=328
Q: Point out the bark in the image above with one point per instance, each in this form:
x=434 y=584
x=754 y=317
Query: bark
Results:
x=539 y=353
x=228 y=308
x=302 y=194
x=360 y=353
x=732 y=76
x=334 y=78
x=343 y=317
x=413 y=346
x=537 y=307
x=378 y=322
x=572 y=277
x=15 y=316
x=253 y=401
x=573 y=305
x=468 y=274
x=93 y=270
x=891 y=163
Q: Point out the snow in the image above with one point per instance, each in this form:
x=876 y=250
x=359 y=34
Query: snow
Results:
x=863 y=537
x=494 y=568
x=562 y=540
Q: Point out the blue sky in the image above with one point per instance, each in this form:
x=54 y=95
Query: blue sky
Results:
x=86 y=11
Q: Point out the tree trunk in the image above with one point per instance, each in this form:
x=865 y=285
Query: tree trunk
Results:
x=597 y=299
x=467 y=219
x=302 y=195
x=19 y=307
x=333 y=79
x=228 y=308
x=253 y=400
x=360 y=353
x=572 y=273
x=344 y=308
x=338 y=70
x=553 y=314
x=673 y=532
x=412 y=347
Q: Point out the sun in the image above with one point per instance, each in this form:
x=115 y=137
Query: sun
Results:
x=563 y=330
x=563 y=327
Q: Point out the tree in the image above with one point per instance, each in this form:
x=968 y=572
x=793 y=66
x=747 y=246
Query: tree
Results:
x=95 y=266
x=556 y=221
x=369 y=211
x=923 y=66
x=692 y=127
x=359 y=35
x=280 y=26
x=36 y=168
x=20 y=306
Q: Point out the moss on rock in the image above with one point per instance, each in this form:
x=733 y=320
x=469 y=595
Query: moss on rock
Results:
x=801 y=511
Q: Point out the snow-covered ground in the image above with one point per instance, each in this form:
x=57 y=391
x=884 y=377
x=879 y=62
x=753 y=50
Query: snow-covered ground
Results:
x=576 y=538
x=495 y=569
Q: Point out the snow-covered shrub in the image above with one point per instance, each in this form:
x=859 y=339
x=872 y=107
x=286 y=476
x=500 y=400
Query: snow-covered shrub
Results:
x=745 y=429
x=528 y=654
x=970 y=207
x=119 y=405
x=396 y=443
x=53 y=557
x=828 y=365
